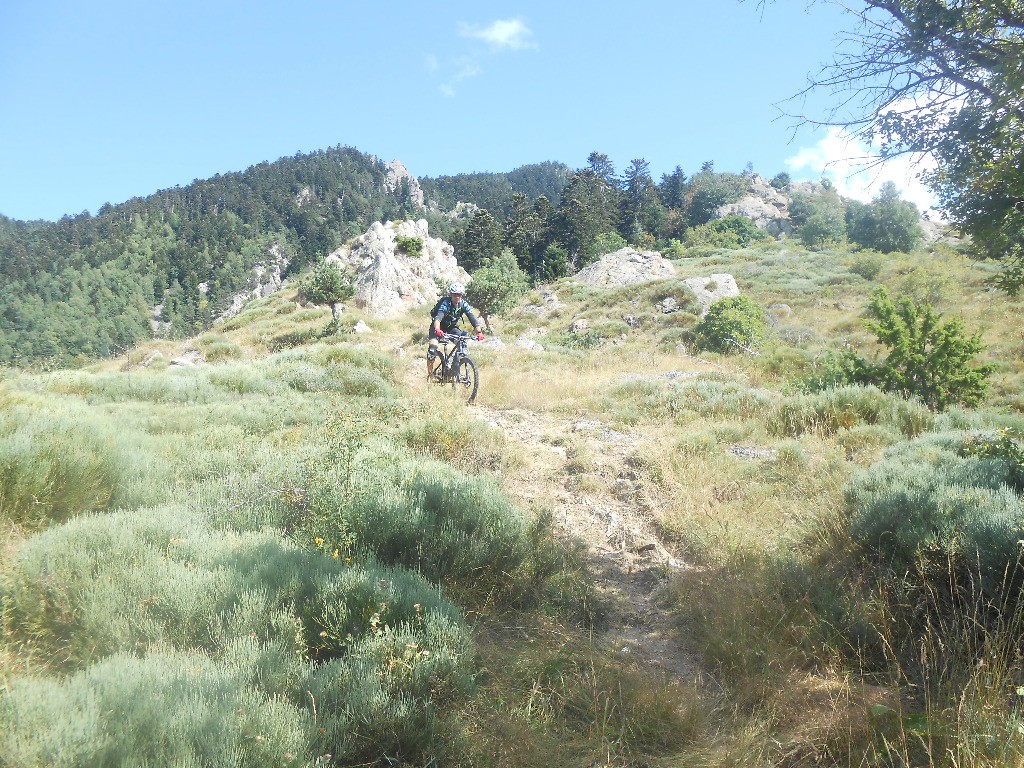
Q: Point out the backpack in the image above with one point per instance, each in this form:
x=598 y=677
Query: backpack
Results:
x=437 y=307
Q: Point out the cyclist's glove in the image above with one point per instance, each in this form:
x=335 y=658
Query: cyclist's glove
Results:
x=440 y=333
x=480 y=336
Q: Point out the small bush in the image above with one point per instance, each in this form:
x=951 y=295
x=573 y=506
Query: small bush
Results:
x=326 y=284
x=842 y=408
x=54 y=464
x=731 y=325
x=729 y=232
x=295 y=338
x=410 y=246
x=933 y=502
x=867 y=264
x=461 y=532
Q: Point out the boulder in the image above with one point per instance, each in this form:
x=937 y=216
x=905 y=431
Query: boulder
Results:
x=529 y=344
x=361 y=327
x=712 y=288
x=189 y=359
x=626 y=266
x=549 y=303
x=388 y=282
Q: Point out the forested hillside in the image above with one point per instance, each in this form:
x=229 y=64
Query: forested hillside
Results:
x=88 y=286
x=83 y=287
x=494 y=191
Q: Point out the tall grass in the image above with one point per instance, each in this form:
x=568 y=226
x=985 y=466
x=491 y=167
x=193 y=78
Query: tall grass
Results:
x=56 y=459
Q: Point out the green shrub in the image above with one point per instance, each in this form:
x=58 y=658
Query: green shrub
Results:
x=926 y=360
x=841 y=408
x=175 y=709
x=497 y=287
x=608 y=242
x=867 y=264
x=56 y=462
x=294 y=338
x=326 y=284
x=932 y=502
x=728 y=232
x=162 y=598
x=731 y=324
x=410 y=246
x=461 y=532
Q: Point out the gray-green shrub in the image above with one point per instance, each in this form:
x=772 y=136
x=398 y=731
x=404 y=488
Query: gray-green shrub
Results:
x=928 y=502
x=832 y=410
x=55 y=461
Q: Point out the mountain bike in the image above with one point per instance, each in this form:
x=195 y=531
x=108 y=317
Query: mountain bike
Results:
x=456 y=367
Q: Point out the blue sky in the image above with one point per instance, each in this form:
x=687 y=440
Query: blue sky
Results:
x=107 y=100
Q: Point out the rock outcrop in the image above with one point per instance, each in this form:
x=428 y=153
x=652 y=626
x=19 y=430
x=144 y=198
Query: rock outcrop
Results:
x=389 y=282
x=397 y=175
x=764 y=205
x=626 y=266
x=265 y=279
x=712 y=288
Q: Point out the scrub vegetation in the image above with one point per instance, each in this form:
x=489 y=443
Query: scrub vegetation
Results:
x=301 y=554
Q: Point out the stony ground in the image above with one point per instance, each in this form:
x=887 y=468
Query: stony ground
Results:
x=600 y=505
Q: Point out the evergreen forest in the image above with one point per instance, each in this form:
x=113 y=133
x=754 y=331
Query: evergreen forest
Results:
x=87 y=287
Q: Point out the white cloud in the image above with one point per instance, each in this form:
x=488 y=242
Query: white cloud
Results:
x=512 y=34
x=855 y=170
x=467 y=69
x=432 y=63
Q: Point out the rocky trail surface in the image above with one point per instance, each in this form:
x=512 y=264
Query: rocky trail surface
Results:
x=580 y=468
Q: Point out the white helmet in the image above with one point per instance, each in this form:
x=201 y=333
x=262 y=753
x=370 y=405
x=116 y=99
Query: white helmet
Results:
x=458 y=288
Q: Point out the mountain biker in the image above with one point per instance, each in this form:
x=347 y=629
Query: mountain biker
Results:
x=445 y=320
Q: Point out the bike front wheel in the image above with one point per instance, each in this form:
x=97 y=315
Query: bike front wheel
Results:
x=465 y=381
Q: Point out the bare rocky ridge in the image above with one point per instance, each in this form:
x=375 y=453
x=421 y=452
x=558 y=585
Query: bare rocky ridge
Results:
x=397 y=174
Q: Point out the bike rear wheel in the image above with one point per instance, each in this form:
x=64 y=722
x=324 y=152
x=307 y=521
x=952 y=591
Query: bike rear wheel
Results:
x=465 y=381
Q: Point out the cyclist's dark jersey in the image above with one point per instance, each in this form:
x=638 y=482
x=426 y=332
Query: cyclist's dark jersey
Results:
x=449 y=315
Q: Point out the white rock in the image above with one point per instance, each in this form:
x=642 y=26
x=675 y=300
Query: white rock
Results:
x=361 y=327
x=529 y=344
x=712 y=288
x=389 y=283
x=191 y=358
x=626 y=266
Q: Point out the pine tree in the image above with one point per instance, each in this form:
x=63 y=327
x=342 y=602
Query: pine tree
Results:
x=926 y=360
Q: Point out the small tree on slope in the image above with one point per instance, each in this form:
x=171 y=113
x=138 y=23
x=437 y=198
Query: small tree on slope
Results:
x=926 y=360
x=497 y=287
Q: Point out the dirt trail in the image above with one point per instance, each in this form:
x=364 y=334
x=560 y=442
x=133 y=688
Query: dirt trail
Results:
x=581 y=469
x=600 y=504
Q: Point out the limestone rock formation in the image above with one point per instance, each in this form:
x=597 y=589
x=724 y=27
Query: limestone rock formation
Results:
x=265 y=279
x=626 y=266
x=397 y=174
x=389 y=282
x=764 y=205
x=712 y=288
